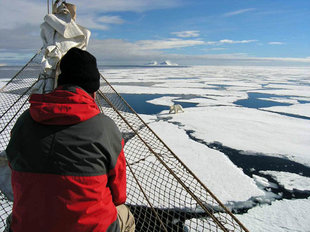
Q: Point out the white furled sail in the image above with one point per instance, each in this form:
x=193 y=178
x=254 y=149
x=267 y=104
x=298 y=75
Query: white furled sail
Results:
x=59 y=33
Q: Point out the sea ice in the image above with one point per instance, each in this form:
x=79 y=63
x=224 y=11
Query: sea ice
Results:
x=262 y=182
x=250 y=130
x=212 y=167
x=290 y=181
x=300 y=92
x=280 y=216
x=218 y=119
x=298 y=109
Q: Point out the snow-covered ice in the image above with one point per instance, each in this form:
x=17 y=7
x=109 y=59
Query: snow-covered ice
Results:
x=263 y=182
x=212 y=167
x=250 y=130
x=280 y=216
x=263 y=131
x=290 y=181
x=298 y=109
x=218 y=119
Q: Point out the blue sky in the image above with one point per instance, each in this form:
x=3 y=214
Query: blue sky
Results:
x=189 y=32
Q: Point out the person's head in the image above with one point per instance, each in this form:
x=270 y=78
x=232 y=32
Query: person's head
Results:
x=79 y=67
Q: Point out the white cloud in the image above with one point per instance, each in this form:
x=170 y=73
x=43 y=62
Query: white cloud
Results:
x=117 y=51
x=167 y=44
x=238 y=12
x=125 y=5
x=111 y=20
x=211 y=42
x=91 y=23
x=285 y=59
x=14 y=13
x=124 y=52
x=186 y=34
x=276 y=43
x=228 y=41
x=214 y=49
x=20 y=38
x=101 y=23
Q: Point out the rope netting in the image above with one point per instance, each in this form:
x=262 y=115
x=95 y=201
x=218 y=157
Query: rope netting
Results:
x=163 y=194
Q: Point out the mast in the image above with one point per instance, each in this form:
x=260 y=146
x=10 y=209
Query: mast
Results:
x=48 y=6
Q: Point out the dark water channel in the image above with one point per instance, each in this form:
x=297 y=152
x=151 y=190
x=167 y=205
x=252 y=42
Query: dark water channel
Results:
x=264 y=100
x=256 y=100
x=139 y=102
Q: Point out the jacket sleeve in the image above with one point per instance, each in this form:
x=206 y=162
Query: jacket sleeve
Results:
x=117 y=179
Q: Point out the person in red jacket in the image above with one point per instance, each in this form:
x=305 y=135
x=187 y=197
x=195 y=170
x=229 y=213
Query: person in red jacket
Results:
x=67 y=159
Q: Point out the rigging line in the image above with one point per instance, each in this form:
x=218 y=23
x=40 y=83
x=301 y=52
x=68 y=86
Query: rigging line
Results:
x=129 y=166
x=19 y=107
x=169 y=169
x=146 y=198
x=23 y=94
x=177 y=158
x=22 y=69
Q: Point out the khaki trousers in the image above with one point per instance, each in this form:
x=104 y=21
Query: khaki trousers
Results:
x=125 y=219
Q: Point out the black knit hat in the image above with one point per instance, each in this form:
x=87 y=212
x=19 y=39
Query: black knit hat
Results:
x=79 y=67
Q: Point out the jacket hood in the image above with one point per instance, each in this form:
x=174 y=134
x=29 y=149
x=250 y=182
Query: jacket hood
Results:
x=63 y=106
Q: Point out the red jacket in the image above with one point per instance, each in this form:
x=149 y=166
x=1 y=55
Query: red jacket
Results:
x=68 y=165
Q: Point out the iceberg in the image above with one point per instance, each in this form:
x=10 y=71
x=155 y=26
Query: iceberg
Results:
x=167 y=63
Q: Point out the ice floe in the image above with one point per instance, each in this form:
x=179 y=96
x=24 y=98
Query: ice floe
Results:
x=280 y=216
x=298 y=109
x=290 y=181
x=250 y=130
x=212 y=167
